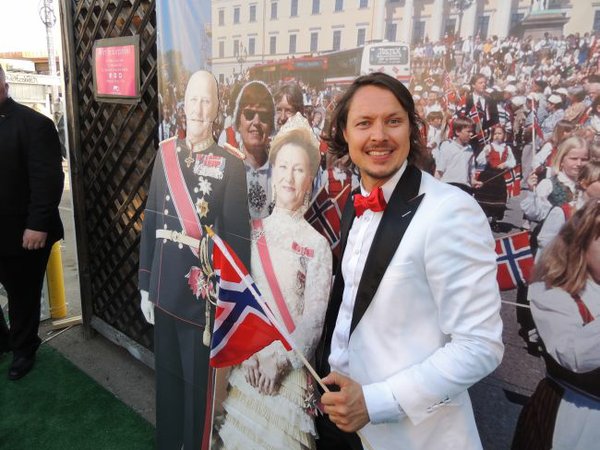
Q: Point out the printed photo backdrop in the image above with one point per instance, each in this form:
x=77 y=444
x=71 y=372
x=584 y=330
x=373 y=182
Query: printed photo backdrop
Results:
x=274 y=59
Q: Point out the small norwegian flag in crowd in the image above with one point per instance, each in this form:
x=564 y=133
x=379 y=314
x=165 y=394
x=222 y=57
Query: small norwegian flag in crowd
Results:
x=513 y=178
x=515 y=260
x=325 y=214
x=479 y=131
x=242 y=325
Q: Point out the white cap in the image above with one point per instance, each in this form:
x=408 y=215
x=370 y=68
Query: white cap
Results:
x=555 y=99
x=562 y=91
x=519 y=100
x=511 y=78
x=435 y=89
x=434 y=108
x=489 y=90
x=466 y=87
x=510 y=88
x=418 y=88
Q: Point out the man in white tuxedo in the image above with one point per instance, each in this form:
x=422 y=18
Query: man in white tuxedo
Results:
x=413 y=320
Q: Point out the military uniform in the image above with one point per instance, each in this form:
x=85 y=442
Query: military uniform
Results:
x=187 y=192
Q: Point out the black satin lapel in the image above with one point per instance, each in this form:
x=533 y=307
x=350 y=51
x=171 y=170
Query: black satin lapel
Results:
x=337 y=291
x=397 y=217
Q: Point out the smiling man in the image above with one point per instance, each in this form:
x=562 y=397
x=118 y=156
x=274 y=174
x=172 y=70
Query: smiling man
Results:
x=413 y=320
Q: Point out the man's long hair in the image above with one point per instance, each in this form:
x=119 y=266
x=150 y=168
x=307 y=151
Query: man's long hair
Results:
x=334 y=135
x=563 y=264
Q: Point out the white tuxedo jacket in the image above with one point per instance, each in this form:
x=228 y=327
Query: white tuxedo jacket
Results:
x=426 y=319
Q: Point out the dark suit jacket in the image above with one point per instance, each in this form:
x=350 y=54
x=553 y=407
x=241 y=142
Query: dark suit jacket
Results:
x=31 y=176
x=488 y=120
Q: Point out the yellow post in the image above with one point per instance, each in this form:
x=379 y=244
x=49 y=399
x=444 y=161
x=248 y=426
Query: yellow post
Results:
x=56 y=284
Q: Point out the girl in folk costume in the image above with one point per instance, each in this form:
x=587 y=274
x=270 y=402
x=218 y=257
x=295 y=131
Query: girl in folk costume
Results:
x=564 y=411
x=270 y=400
x=561 y=187
x=490 y=188
x=589 y=186
x=543 y=159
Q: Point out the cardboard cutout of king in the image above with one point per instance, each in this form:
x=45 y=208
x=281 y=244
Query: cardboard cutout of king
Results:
x=194 y=183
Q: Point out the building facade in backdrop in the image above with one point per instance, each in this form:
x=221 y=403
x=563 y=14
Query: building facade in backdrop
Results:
x=246 y=33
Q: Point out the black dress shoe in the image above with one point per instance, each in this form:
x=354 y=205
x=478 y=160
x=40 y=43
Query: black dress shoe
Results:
x=20 y=367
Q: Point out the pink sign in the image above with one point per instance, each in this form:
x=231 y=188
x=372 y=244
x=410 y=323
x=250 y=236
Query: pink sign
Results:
x=115 y=71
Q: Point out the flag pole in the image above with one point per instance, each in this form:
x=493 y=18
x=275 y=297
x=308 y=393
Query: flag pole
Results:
x=219 y=243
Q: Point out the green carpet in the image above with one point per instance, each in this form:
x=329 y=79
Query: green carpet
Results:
x=56 y=406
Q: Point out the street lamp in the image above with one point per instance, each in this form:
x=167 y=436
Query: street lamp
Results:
x=242 y=56
x=460 y=6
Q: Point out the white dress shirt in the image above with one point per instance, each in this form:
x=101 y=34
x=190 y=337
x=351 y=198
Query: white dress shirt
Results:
x=381 y=404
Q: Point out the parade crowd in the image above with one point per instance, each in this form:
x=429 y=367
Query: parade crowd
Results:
x=495 y=116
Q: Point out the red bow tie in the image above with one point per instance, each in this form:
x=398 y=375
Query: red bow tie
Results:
x=375 y=202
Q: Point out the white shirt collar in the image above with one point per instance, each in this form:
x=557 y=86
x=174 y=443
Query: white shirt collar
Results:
x=389 y=186
x=566 y=181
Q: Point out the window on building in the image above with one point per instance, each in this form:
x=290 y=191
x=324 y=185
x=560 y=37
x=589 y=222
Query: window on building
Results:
x=221 y=49
x=236 y=47
x=483 y=23
x=339 y=5
x=316 y=6
x=515 y=19
x=363 y=4
x=450 y=28
x=294 y=8
x=251 y=46
x=273 y=45
x=596 y=25
x=221 y=17
x=252 y=13
x=273 y=10
x=236 y=14
x=360 y=37
x=314 y=42
x=390 y=31
x=292 y=44
x=418 y=31
x=337 y=39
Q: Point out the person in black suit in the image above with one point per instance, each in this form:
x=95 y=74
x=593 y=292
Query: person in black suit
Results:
x=31 y=185
x=483 y=110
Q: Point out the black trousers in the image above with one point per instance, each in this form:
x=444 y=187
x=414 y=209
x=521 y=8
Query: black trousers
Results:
x=22 y=276
x=183 y=384
x=332 y=438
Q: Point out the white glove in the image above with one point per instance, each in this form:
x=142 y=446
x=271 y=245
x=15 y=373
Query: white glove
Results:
x=147 y=307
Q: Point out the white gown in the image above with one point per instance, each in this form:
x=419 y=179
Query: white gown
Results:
x=301 y=259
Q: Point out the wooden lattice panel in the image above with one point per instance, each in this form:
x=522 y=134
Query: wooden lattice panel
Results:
x=112 y=162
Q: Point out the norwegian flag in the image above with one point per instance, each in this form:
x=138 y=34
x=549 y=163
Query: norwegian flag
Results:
x=536 y=126
x=515 y=260
x=324 y=216
x=243 y=322
x=479 y=132
x=449 y=90
x=513 y=178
